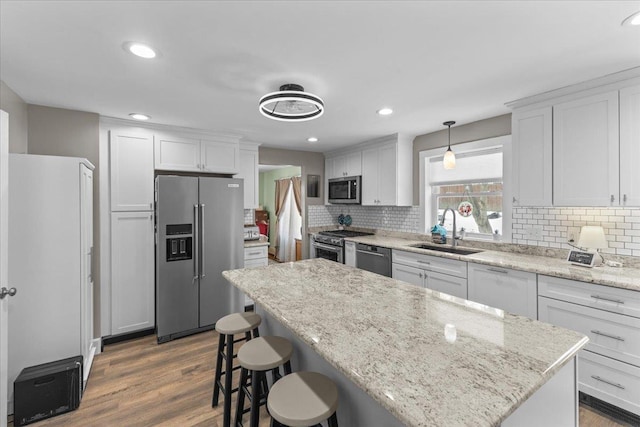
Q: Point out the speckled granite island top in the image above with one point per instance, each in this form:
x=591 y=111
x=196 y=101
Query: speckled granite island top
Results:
x=388 y=338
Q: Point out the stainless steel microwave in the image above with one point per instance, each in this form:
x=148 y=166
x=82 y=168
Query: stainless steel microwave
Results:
x=345 y=190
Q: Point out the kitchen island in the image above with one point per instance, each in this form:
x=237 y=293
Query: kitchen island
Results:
x=404 y=355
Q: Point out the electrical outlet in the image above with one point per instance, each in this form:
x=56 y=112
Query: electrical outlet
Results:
x=533 y=233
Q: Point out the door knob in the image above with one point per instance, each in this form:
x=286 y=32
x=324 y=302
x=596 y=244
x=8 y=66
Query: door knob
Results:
x=4 y=292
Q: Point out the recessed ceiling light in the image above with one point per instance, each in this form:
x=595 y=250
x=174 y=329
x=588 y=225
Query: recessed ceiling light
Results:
x=632 y=20
x=139 y=116
x=385 y=111
x=140 y=49
x=312 y=139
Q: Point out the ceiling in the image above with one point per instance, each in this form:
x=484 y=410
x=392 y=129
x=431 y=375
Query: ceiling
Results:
x=430 y=61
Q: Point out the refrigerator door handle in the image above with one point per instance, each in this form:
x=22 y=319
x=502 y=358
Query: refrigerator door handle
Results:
x=203 y=240
x=195 y=243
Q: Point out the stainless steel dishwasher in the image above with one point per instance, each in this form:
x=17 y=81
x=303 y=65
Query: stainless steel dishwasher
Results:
x=374 y=258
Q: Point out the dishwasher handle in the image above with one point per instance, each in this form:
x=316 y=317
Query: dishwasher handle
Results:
x=371 y=253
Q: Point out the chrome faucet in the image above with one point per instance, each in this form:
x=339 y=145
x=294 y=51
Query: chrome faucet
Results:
x=454 y=238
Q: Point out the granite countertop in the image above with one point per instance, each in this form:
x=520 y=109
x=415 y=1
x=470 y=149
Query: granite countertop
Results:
x=625 y=277
x=388 y=338
x=254 y=243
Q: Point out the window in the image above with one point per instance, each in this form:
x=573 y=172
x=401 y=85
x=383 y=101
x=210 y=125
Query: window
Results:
x=482 y=199
x=473 y=189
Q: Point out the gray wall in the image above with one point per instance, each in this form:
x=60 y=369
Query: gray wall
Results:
x=18 y=124
x=482 y=129
x=60 y=132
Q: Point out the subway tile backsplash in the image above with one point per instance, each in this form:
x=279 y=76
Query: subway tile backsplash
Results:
x=553 y=226
x=249 y=216
x=394 y=218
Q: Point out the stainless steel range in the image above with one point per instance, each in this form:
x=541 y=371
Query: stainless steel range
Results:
x=330 y=244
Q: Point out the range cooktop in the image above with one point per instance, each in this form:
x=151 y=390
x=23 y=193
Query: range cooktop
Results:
x=344 y=233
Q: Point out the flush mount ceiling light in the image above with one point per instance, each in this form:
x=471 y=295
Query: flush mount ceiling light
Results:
x=139 y=116
x=449 y=160
x=385 y=111
x=632 y=20
x=312 y=139
x=291 y=104
x=140 y=49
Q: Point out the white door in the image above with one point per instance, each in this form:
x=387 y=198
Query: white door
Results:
x=86 y=267
x=370 y=172
x=131 y=171
x=176 y=154
x=630 y=146
x=4 y=305
x=388 y=175
x=220 y=156
x=412 y=275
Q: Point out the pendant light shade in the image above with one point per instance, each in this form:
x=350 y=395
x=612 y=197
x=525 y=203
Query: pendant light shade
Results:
x=291 y=104
x=449 y=160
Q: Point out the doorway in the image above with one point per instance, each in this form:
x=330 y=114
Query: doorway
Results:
x=281 y=210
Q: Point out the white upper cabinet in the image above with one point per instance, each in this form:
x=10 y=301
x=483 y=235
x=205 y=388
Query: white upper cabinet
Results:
x=345 y=165
x=532 y=157
x=176 y=153
x=131 y=171
x=219 y=156
x=249 y=172
x=379 y=183
x=586 y=151
x=630 y=146
x=387 y=172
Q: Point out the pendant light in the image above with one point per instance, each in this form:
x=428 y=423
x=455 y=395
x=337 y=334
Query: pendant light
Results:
x=291 y=104
x=449 y=160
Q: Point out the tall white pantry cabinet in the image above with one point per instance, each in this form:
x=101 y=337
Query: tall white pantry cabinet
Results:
x=50 y=257
x=132 y=297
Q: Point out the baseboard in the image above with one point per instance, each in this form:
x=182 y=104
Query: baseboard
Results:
x=126 y=337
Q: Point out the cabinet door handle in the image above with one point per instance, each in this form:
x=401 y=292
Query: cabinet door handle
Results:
x=607 y=335
x=624 y=198
x=613 y=199
x=424 y=262
x=497 y=270
x=617 y=301
x=515 y=200
x=597 y=378
x=420 y=275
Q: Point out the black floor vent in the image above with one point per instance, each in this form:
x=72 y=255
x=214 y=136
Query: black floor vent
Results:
x=619 y=414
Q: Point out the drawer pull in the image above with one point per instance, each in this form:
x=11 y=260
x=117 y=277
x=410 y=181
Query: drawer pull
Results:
x=597 y=378
x=607 y=335
x=497 y=270
x=255 y=253
x=617 y=301
x=424 y=262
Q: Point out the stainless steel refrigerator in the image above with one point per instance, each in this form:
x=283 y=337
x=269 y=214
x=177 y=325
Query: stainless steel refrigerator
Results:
x=199 y=234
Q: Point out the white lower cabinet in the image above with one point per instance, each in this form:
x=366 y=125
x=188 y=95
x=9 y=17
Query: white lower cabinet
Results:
x=510 y=290
x=607 y=379
x=350 y=253
x=255 y=256
x=609 y=366
x=132 y=272
x=439 y=274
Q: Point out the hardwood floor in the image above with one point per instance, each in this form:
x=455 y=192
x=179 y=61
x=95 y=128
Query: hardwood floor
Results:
x=141 y=383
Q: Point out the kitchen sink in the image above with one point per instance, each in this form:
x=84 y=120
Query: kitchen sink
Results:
x=447 y=249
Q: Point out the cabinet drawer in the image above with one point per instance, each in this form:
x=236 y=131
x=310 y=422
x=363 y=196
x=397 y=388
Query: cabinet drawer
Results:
x=610 y=334
x=252 y=263
x=431 y=263
x=609 y=380
x=255 y=252
x=622 y=301
x=452 y=285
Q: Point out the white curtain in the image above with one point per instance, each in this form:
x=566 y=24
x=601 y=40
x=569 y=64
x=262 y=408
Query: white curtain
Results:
x=289 y=228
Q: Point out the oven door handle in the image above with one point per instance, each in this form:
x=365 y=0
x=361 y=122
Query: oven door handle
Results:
x=335 y=249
